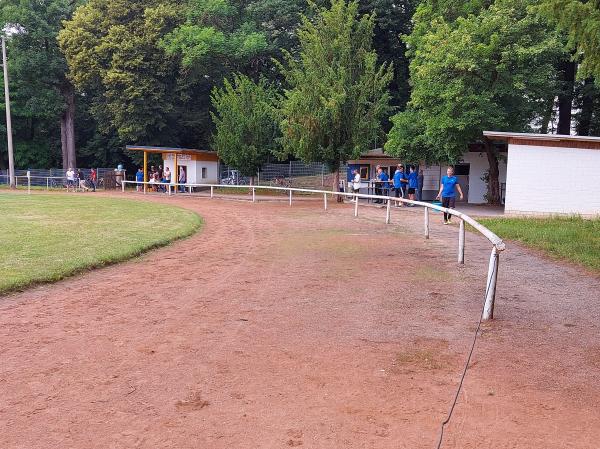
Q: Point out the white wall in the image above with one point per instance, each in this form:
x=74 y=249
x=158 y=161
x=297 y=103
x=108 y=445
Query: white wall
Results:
x=194 y=171
x=550 y=180
x=479 y=165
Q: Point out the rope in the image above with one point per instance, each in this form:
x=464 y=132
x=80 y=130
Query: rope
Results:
x=462 y=378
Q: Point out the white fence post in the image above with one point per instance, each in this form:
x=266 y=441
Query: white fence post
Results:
x=212 y=192
x=290 y=194
x=356 y=207
x=123 y=186
x=28 y=182
x=325 y=200
x=169 y=187
x=388 y=212
x=490 y=293
x=461 y=242
x=253 y=195
x=426 y=223
x=47 y=183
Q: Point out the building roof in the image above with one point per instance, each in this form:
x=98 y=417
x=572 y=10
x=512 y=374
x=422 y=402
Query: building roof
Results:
x=545 y=140
x=167 y=150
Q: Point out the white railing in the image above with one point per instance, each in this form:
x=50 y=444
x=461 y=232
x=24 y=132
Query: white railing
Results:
x=497 y=243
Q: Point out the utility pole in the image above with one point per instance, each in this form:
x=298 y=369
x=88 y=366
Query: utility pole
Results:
x=11 y=157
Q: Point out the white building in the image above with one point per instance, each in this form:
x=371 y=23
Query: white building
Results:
x=551 y=174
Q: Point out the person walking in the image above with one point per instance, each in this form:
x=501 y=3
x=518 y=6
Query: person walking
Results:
x=93 y=178
x=182 y=179
x=447 y=193
x=399 y=178
x=81 y=181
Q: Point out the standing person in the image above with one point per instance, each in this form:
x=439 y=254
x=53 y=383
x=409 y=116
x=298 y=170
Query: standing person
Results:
x=355 y=184
x=383 y=179
x=70 y=179
x=413 y=183
x=93 y=178
x=399 y=178
x=420 y=183
x=447 y=193
x=377 y=185
x=182 y=179
x=160 y=172
x=139 y=177
x=167 y=176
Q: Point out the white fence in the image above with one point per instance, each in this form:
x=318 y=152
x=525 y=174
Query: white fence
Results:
x=497 y=243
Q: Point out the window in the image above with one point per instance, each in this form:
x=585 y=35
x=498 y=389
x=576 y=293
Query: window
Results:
x=204 y=175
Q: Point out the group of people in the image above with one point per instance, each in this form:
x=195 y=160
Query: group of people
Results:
x=157 y=178
x=411 y=184
x=76 y=180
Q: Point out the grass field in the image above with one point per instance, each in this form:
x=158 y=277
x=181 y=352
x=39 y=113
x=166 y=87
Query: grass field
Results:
x=570 y=238
x=48 y=237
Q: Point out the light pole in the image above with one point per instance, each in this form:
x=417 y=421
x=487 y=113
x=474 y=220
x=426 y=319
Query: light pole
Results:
x=11 y=158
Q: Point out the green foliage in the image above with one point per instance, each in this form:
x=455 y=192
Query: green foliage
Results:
x=337 y=92
x=246 y=123
x=581 y=21
x=490 y=70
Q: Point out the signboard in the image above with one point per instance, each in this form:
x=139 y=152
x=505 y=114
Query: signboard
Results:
x=180 y=157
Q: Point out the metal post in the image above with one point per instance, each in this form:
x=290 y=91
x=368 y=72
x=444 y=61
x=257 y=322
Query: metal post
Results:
x=388 y=212
x=169 y=188
x=325 y=200
x=212 y=192
x=490 y=294
x=47 y=183
x=253 y=195
x=123 y=186
x=356 y=207
x=461 y=242
x=11 y=157
x=290 y=194
x=426 y=223
x=28 y=182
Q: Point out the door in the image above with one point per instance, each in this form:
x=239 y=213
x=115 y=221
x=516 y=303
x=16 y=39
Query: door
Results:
x=461 y=171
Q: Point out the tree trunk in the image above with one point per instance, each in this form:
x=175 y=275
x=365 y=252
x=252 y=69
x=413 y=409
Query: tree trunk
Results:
x=547 y=116
x=493 y=195
x=67 y=128
x=336 y=185
x=587 y=108
x=565 y=98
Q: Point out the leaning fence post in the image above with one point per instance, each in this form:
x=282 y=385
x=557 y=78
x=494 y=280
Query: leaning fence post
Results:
x=426 y=222
x=490 y=293
x=356 y=207
x=461 y=242
x=388 y=212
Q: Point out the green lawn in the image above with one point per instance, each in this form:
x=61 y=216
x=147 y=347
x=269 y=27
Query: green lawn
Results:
x=48 y=237
x=569 y=238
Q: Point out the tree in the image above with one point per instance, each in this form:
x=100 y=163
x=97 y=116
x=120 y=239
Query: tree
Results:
x=337 y=92
x=491 y=69
x=580 y=19
x=246 y=123
x=42 y=95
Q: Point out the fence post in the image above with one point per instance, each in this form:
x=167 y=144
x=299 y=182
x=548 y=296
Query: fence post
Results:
x=212 y=192
x=28 y=182
x=426 y=222
x=169 y=187
x=388 y=211
x=253 y=195
x=490 y=293
x=322 y=175
x=48 y=183
x=356 y=207
x=290 y=194
x=123 y=186
x=461 y=242
x=325 y=200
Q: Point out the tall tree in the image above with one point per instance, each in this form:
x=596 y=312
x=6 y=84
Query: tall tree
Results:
x=337 y=92
x=43 y=96
x=246 y=123
x=488 y=69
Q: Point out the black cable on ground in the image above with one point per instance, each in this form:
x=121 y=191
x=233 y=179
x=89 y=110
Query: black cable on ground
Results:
x=462 y=378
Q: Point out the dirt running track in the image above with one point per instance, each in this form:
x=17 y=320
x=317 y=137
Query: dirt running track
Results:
x=284 y=327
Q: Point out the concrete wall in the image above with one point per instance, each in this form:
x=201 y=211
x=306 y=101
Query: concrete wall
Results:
x=194 y=171
x=479 y=165
x=553 y=180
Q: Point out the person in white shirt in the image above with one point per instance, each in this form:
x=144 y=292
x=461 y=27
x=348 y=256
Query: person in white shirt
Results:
x=70 y=179
x=356 y=183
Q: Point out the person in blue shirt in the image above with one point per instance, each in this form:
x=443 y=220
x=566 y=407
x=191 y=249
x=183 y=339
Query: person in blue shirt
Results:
x=139 y=177
x=447 y=193
x=413 y=183
x=383 y=182
x=399 y=182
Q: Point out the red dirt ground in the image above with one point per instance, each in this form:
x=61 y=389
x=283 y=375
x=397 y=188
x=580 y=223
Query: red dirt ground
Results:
x=282 y=327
